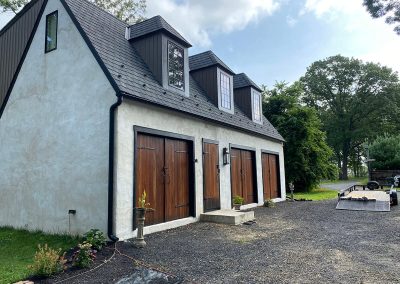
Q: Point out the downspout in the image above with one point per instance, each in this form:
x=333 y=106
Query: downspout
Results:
x=110 y=224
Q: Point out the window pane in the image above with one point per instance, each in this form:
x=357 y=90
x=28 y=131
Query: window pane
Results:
x=51 y=32
x=175 y=66
x=257 y=106
x=225 y=91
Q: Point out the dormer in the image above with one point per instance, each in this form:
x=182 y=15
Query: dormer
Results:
x=248 y=97
x=164 y=51
x=215 y=77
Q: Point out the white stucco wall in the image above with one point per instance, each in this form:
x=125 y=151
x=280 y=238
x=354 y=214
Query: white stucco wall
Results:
x=54 y=136
x=134 y=113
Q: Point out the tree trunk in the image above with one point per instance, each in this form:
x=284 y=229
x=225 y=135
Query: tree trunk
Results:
x=339 y=165
x=346 y=150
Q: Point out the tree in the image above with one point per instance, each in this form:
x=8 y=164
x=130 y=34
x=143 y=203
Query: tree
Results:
x=307 y=156
x=355 y=101
x=388 y=8
x=129 y=11
x=386 y=152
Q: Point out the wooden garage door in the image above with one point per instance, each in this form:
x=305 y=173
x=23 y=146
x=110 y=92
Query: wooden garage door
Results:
x=243 y=175
x=211 y=176
x=270 y=176
x=162 y=170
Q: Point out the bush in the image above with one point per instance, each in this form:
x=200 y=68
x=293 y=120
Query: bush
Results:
x=238 y=200
x=386 y=152
x=47 y=262
x=96 y=239
x=269 y=203
x=84 y=256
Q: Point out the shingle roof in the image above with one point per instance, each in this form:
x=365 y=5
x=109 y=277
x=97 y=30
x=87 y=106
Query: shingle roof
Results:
x=207 y=59
x=134 y=79
x=242 y=80
x=155 y=24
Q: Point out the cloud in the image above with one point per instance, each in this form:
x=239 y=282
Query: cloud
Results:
x=291 y=21
x=5 y=17
x=330 y=7
x=199 y=20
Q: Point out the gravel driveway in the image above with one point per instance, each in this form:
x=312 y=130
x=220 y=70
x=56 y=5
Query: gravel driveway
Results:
x=301 y=242
x=338 y=185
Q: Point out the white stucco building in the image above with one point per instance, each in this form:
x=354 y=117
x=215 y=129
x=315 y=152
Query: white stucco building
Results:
x=94 y=112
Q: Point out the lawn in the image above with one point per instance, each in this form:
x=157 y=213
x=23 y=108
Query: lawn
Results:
x=17 y=249
x=360 y=180
x=317 y=194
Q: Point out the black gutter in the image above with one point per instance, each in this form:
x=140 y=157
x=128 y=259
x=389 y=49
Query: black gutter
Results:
x=111 y=152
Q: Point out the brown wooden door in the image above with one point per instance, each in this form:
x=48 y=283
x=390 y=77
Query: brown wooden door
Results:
x=211 y=176
x=176 y=179
x=236 y=173
x=162 y=169
x=248 y=177
x=242 y=175
x=270 y=176
x=150 y=175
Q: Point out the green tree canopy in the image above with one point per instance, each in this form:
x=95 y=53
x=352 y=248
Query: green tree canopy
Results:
x=388 y=8
x=129 y=11
x=355 y=101
x=386 y=152
x=307 y=156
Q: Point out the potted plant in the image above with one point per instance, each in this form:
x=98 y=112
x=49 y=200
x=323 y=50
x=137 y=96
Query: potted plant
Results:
x=237 y=202
x=140 y=217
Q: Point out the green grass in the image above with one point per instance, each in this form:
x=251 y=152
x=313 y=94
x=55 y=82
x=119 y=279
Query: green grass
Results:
x=362 y=180
x=317 y=194
x=18 y=247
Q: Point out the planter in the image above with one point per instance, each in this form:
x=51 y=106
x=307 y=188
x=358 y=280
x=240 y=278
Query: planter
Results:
x=237 y=207
x=140 y=217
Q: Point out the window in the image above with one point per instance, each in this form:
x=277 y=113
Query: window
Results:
x=51 y=31
x=176 y=66
x=257 y=106
x=226 y=98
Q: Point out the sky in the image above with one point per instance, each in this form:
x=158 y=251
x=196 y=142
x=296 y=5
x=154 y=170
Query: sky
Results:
x=276 y=40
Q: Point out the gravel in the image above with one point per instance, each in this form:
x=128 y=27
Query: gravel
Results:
x=300 y=242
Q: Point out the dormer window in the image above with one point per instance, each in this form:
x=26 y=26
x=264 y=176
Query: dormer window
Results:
x=176 y=66
x=257 y=115
x=225 y=91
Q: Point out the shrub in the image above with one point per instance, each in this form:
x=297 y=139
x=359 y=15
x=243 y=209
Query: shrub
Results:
x=84 y=256
x=96 y=239
x=269 y=203
x=47 y=262
x=238 y=200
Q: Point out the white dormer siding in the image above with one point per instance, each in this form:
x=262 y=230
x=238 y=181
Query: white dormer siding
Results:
x=225 y=91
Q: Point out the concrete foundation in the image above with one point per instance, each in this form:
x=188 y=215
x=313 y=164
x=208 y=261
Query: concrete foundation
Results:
x=229 y=217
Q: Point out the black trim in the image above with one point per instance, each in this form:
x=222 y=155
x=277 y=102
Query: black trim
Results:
x=269 y=152
x=92 y=49
x=111 y=154
x=192 y=170
x=218 y=123
x=45 y=37
x=28 y=45
x=161 y=31
x=242 y=147
x=254 y=154
x=209 y=141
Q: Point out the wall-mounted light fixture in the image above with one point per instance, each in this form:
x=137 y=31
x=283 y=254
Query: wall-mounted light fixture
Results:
x=226 y=156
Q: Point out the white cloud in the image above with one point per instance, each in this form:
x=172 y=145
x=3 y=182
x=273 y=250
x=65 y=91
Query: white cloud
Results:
x=291 y=21
x=364 y=37
x=198 y=20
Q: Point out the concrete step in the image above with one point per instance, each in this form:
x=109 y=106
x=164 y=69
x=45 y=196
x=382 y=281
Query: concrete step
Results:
x=229 y=217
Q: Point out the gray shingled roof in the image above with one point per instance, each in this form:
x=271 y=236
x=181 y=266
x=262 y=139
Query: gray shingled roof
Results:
x=155 y=24
x=133 y=78
x=207 y=59
x=242 y=80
